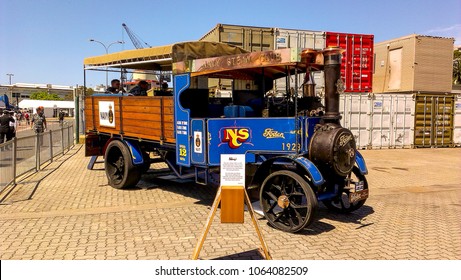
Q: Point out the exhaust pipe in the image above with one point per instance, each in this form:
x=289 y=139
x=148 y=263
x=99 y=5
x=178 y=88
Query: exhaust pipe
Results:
x=333 y=83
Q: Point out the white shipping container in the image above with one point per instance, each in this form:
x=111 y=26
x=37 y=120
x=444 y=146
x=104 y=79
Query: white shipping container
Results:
x=301 y=39
x=392 y=121
x=355 y=111
x=379 y=121
x=457 y=122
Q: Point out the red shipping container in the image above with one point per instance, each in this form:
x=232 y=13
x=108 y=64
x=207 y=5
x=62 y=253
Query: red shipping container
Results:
x=357 y=61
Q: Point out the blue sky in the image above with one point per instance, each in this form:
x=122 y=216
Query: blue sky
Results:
x=46 y=41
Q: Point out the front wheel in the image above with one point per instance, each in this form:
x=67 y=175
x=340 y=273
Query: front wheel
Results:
x=120 y=170
x=341 y=203
x=288 y=201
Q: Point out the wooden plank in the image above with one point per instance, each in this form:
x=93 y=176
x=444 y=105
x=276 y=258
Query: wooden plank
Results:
x=155 y=124
x=146 y=109
x=147 y=131
x=146 y=117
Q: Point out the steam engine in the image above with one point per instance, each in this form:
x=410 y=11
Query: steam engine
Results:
x=332 y=147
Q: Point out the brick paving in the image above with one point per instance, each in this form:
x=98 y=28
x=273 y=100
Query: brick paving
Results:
x=68 y=212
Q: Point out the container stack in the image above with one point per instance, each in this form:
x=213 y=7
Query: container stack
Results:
x=397 y=92
x=357 y=58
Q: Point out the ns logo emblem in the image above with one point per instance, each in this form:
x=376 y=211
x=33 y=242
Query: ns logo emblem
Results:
x=235 y=137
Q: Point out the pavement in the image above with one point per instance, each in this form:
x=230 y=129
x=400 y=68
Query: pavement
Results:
x=67 y=212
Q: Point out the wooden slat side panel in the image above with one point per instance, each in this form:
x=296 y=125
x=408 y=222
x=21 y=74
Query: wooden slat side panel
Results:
x=141 y=117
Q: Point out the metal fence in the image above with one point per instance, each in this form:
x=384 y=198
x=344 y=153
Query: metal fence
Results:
x=26 y=154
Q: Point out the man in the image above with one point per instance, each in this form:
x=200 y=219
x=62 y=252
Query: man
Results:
x=5 y=120
x=13 y=126
x=140 y=89
x=61 y=117
x=114 y=87
x=39 y=121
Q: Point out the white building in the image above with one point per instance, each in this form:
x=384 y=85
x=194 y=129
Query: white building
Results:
x=22 y=91
x=52 y=107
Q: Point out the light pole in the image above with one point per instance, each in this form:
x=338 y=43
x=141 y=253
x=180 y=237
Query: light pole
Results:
x=107 y=51
x=10 y=75
x=11 y=87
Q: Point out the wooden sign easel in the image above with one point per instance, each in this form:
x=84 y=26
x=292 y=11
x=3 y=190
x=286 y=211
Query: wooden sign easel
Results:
x=216 y=203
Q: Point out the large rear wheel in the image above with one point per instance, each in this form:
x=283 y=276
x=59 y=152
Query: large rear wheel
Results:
x=120 y=170
x=288 y=201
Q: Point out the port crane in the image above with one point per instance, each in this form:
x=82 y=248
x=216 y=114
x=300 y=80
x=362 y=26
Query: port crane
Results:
x=135 y=38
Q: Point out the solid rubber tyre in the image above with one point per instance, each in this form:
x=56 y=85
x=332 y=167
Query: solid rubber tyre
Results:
x=120 y=170
x=288 y=187
x=341 y=203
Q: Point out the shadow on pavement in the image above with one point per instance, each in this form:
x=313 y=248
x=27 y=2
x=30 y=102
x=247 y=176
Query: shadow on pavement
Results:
x=357 y=217
x=247 y=255
x=165 y=180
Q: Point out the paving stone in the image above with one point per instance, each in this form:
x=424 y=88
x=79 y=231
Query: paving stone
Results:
x=413 y=213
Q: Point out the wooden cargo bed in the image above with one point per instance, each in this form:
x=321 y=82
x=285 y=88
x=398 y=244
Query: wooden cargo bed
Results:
x=144 y=117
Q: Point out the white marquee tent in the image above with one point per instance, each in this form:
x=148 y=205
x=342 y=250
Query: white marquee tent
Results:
x=49 y=105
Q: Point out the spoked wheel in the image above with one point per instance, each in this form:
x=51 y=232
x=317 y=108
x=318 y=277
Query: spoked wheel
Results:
x=341 y=203
x=288 y=202
x=120 y=170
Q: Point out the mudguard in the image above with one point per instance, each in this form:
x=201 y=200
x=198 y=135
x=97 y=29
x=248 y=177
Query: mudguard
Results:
x=361 y=163
x=313 y=171
x=135 y=151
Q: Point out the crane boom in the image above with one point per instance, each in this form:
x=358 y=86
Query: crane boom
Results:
x=134 y=38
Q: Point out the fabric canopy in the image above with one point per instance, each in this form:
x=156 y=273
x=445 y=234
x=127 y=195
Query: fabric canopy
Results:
x=161 y=58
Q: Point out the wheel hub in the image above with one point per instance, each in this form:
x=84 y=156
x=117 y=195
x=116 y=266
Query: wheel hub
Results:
x=283 y=201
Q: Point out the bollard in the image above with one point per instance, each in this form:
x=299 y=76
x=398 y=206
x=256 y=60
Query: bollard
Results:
x=15 y=145
x=51 y=146
x=62 y=139
x=37 y=152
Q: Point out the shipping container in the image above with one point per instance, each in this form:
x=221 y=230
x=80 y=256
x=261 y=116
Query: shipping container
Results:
x=357 y=61
x=392 y=121
x=457 y=122
x=291 y=38
x=434 y=120
x=355 y=111
x=379 y=121
x=402 y=120
x=413 y=63
x=250 y=38
x=253 y=38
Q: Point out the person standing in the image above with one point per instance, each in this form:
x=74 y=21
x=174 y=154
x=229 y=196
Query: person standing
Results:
x=13 y=127
x=5 y=120
x=39 y=121
x=26 y=116
x=61 y=117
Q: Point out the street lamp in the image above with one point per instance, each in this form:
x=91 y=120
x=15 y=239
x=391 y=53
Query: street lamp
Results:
x=10 y=77
x=11 y=87
x=107 y=51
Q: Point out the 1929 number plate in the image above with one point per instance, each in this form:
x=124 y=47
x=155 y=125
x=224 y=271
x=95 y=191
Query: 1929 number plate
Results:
x=357 y=196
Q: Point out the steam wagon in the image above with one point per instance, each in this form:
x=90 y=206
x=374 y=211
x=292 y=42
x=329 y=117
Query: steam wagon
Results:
x=297 y=153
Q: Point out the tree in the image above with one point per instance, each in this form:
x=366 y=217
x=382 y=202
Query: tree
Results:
x=457 y=67
x=89 y=91
x=43 y=95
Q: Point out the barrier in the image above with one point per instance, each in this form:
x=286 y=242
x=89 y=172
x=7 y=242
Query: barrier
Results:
x=25 y=154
